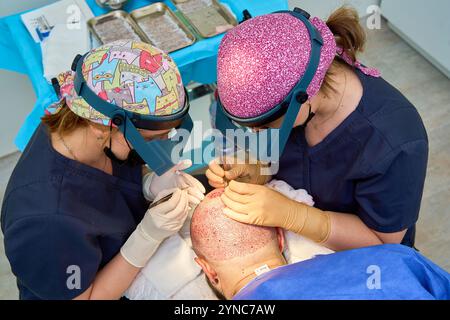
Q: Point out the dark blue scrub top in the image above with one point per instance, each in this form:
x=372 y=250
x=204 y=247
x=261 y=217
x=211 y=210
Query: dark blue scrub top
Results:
x=385 y=272
x=59 y=213
x=372 y=165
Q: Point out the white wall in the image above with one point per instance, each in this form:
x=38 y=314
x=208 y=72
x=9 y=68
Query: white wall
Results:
x=423 y=24
x=16 y=91
x=323 y=8
x=18 y=100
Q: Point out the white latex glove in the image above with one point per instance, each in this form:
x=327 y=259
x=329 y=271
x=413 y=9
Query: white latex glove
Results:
x=153 y=184
x=159 y=223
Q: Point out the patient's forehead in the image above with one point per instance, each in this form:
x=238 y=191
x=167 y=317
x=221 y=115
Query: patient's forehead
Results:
x=218 y=237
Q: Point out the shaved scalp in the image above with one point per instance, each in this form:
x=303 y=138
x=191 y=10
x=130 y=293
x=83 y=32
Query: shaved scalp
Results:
x=217 y=237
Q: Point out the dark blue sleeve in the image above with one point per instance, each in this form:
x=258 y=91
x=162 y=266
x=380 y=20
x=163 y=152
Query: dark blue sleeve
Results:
x=389 y=200
x=46 y=250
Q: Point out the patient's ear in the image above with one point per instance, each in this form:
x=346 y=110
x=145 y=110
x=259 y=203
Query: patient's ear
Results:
x=281 y=239
x=208 y=270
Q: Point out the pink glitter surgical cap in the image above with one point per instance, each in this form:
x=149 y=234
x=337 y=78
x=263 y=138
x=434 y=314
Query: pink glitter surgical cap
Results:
x=261 y=60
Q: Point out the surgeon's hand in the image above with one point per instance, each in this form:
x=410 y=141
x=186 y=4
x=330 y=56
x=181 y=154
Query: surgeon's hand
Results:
x=219 y=174
x=153 y=184
x=167 y=218
x=159 y=223
x=262 y=206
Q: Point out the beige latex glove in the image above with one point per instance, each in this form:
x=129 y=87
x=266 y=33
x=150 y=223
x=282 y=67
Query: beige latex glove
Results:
x=152 y=184
x=262 y=206
x=159 y=223
x=219 y=174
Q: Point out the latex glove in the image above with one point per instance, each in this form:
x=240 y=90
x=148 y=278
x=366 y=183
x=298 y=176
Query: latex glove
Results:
x=159 y=223
x=260 y=205
x=219 y=174
x=153 y=184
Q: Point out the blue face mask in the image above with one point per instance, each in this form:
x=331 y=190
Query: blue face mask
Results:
x=274 y=140
x=157 y=154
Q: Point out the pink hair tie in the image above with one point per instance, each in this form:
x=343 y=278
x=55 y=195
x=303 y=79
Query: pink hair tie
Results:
x=373 y=72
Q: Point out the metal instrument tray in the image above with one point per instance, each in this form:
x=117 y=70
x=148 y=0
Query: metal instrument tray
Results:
x=162 y=27
x=208 y=17
x=116 y=25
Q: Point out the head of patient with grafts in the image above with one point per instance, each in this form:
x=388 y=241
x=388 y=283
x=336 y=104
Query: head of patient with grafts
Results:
x=231 y=253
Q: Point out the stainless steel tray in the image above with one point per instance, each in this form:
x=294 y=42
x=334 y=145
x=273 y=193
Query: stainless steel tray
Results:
x=116 y=25
x=208 y=17
x=162 y=27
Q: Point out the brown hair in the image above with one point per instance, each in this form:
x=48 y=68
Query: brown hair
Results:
x=349 y=35
x=64 y=122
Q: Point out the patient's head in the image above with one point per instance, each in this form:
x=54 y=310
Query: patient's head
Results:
x=217 y=237
x=229 y=251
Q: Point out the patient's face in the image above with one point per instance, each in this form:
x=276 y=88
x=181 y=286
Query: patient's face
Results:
x=218 y=238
